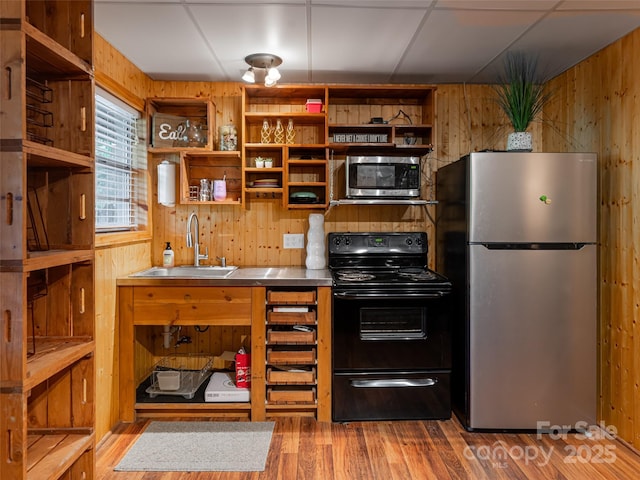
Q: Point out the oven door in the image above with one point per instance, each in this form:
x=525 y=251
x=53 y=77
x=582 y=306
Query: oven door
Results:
x=390 y=332
x=391 y=396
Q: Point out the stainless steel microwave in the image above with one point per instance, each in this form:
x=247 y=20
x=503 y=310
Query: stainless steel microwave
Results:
x=382 y=177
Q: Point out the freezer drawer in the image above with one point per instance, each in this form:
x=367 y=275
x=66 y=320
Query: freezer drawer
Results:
x=532 y=197
x=391 y=396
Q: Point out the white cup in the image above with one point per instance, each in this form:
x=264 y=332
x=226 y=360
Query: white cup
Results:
x=219 y=190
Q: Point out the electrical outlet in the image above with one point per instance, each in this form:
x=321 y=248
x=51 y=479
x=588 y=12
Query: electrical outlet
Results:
x=293 y=240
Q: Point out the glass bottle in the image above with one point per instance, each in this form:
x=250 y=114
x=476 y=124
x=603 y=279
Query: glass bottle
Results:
x=291 y=133
x=265 y=133
x=278 y=133
x=205 y=190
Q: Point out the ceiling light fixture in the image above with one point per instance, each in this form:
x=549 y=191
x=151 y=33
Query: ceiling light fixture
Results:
x=266 y=62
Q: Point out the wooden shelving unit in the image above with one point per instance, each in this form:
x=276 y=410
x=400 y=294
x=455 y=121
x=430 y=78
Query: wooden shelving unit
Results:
x=47 y=380
x=292 y=172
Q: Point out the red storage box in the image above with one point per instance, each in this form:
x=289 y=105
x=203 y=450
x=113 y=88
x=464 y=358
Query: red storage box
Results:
x=314 y=105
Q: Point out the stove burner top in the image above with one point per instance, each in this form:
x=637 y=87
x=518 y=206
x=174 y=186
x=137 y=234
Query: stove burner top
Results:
x=355 y=276
x=422 y=276
x=390 y=277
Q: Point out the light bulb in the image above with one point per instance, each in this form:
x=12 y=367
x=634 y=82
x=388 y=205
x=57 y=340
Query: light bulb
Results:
x=273 y=74
x=269 y=82
x=249 y=76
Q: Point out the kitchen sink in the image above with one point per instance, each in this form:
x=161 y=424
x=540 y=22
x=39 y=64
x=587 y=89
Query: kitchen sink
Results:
x=187 y=271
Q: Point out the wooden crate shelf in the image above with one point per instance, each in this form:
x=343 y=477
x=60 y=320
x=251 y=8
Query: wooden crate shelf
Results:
x=291 y=357
x=290 y=337
x=291 y=377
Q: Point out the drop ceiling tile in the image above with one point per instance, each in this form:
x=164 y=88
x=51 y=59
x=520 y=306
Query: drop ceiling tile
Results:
x=599 y=5
x=277 y=29
x=497 y=4
x=375 y=3
x=158 y=38
x=563 y=39
x=453 y=45
x=353 y=44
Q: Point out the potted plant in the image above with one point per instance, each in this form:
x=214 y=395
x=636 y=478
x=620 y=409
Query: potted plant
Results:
x=521 y=94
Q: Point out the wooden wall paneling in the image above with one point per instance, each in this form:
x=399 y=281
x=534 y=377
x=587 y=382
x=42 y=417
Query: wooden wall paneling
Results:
x=598 y=110
x=611 y=191
x=111 y=263
x=624 y=129
x=633 y=131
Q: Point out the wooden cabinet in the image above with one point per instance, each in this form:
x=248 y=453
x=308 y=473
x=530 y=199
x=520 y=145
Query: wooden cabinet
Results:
x=218 y=165
x=291 y=348
x=397 y=119
x=182 y=131
x=299 y=160
x=297 y=352
x=47 y=379
x=177 y=124
x=216 y=319
x=287 y=152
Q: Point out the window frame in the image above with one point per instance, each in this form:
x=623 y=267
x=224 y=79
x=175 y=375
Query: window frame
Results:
x=141 y=195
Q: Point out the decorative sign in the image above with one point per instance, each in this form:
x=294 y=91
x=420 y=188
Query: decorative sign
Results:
x=176 y=131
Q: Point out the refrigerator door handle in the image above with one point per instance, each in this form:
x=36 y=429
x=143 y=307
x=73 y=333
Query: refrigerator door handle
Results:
x=535 y=246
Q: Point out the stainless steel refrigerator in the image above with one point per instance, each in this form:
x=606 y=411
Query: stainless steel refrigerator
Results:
x=516 y=235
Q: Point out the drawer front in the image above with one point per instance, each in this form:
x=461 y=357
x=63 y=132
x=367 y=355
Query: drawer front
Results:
x=288 y=395
x=192 y=305
x=284 y=377
x=288 y=337
x=291 y=318
x=283 y=297
x=391 y=396
x=291 y=357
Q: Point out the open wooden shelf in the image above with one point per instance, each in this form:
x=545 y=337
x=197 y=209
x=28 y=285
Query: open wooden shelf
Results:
x=54 y=354
x=52 y=454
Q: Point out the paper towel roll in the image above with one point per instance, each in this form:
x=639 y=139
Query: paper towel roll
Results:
x=166 y=183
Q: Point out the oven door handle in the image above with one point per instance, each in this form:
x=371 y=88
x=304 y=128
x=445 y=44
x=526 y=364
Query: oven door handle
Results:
x=394 y=383
x=351 y=295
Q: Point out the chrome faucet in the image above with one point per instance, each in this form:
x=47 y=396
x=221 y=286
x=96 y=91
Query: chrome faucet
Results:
x=195 y=245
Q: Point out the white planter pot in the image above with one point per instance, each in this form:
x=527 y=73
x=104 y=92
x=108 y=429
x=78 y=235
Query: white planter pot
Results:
x=519 y=142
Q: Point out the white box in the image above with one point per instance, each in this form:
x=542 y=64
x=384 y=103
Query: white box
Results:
x=222 y=389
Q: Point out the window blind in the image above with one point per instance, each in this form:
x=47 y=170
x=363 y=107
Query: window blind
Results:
x=116 y=140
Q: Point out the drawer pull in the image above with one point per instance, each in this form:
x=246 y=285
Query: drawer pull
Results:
x=9 y=212
x=7 y=325
x=83 y=206
x=83 y=119
x=7 y=83
x=82 y=305
x=393 y=383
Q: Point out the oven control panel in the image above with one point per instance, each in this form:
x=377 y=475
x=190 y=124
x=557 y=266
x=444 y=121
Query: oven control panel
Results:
x=374 y=243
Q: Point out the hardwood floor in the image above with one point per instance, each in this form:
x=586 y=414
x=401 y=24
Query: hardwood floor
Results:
x=302 y=448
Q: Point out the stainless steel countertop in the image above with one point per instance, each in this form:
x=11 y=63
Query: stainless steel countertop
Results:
x=243 y=276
